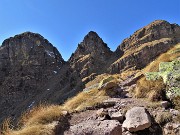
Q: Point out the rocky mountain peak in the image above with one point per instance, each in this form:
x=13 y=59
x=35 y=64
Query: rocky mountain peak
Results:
x=156 y=30
x=32 y=71
x=92 y=44
x=27 y=62
x=29 y=45
x=20 y=37
x=91 y=35
x=91 y=52
x=92 y=39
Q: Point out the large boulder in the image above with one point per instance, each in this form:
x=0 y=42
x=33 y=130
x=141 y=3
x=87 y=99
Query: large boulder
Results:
x=137 y=119
x=106 y=127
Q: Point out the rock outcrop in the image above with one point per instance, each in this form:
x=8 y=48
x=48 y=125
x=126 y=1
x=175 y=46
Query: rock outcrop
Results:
x=154 y=31
x=145 y=45
x=28 y=51
x=91 y=56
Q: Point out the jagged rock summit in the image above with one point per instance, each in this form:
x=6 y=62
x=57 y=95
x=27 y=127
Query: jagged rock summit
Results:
x=92 y=44
x=91 y=55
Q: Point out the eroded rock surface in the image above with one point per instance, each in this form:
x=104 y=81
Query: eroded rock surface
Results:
x=145 y=45
x=91 y=56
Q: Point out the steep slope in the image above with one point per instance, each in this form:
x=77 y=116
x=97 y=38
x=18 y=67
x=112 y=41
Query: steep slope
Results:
x=145 y=45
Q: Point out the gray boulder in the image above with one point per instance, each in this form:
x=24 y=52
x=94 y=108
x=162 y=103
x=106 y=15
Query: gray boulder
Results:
x=137 y=119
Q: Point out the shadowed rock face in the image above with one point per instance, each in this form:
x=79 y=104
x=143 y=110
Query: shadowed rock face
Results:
x=27 y=61
x=28 y=50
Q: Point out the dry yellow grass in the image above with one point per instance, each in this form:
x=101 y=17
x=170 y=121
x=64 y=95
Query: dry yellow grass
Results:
x=38 y=129
x=38 y=121
x=41 y=114
x=165 y=57
x=85 y=99
x=41 y=120
x=153 y=90
x=5 y=127
x=163 y=118
x=124 y=75
x=177 y=103
x=97 y=80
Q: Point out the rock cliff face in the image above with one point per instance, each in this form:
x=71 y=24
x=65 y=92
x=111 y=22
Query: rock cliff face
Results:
x=154 y=31
x=145 y=45
x=29 y=51
x=27 y=62
x=91 y=56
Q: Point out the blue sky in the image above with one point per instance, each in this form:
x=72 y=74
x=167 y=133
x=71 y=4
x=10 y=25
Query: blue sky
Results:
x=65 y=22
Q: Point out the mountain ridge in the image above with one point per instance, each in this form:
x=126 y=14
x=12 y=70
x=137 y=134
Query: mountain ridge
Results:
x=31 y=75
x=156 y=22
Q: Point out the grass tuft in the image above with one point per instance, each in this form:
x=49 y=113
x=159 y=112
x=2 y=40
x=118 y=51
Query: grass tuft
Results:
x=163 y=118
x=153 y=90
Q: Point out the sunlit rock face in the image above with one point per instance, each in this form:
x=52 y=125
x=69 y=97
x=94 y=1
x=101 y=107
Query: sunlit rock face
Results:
x=145 y=45
x=91 y=56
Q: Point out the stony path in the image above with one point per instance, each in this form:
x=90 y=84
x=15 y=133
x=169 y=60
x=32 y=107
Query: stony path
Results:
x=122 y=104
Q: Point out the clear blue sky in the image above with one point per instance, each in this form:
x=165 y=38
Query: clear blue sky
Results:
x=65 y=22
